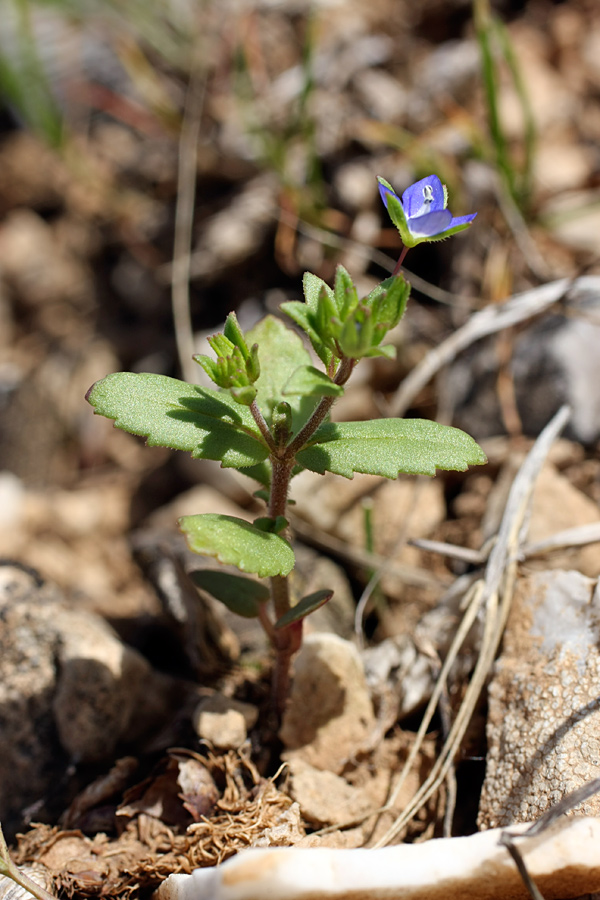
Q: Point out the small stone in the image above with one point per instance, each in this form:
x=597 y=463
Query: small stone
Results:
x=325 y=798
x=329 y=714
x=223 y=721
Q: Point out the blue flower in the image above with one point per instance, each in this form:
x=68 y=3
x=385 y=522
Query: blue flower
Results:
x=422 y=215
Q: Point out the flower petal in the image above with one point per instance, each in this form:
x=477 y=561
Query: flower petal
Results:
x=462 y=220
x=431 y=223
x=424 y=196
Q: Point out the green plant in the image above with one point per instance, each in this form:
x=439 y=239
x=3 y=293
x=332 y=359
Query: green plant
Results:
x=268 y=416
x=494 y=42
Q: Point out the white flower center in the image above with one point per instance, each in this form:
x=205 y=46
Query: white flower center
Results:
x=428 y=194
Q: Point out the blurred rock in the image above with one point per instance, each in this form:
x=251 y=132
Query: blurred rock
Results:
x=313 y=572
x=556 y=506
x=554 y=360
x=99 y=686
x=70 y=690
x=395 y=667
x=223 y=721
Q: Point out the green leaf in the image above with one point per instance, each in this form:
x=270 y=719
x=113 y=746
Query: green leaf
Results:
x=207 y=423
x=235 y=542
x=260 y=473
x=311 y=382
x=312 y=285
x=304 y=607
x=301 y=315
x=281 y=352
x=274 y=526
x=389 y=446
x=346 y=297
x=241 y=595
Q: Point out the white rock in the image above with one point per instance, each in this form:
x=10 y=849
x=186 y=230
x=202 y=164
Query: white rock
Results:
x=563 y=863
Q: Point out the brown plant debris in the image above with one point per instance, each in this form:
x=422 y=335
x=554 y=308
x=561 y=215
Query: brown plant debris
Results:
x=249 y=811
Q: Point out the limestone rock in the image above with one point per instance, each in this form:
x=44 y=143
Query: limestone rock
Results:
x=544 y=715
x=562 y=863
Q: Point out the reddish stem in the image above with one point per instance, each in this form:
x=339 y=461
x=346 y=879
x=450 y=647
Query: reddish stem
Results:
x=400 y=261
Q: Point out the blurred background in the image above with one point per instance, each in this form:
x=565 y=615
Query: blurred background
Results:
x=165 y=161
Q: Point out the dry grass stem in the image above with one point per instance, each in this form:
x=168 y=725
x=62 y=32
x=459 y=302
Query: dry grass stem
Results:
x=491 y=594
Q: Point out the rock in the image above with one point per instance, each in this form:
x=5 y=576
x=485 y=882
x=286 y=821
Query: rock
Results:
x=543 y=726
x=558 y=505
x=554 y=361
x=562 y=864
x=337 y=506
x=396 y=666
x=100 y=683
x=329 y=714
x=69 y=690
x=223 y=721
x=325 y=798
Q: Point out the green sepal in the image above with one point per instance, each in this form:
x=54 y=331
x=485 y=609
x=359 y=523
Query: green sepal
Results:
x=357 y=334
x=221 y=345
x=311 y=382
x=448 y=233
x=271 y=526
x=207 y=423
x=345 y=294
x=304 y=608
x=244 y=395
x=253 y=364
x=235 y=335
x=325 y=319
x=236 y=542
x=388 y=447
x=397 y=215
x=241 y=595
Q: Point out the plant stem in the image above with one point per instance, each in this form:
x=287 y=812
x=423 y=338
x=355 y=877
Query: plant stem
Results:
x=262 y=426
x=320 y=413
x=398 y=265
x=11 y=870
x=286 y=641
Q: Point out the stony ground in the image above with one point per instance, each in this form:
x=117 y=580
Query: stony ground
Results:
x=242 y=141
